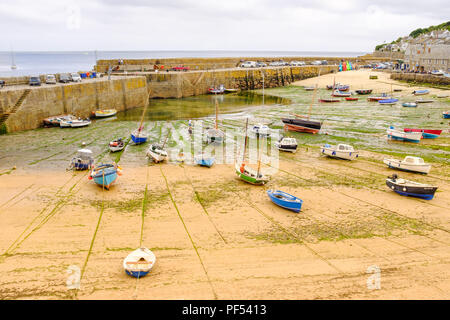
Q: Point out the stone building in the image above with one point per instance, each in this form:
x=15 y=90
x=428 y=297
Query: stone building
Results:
x=430 y=57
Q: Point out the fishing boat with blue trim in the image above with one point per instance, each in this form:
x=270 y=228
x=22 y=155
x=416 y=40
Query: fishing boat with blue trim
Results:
x=340 y=151
x=411 y=188
x=105 y=174
x=338 y=93
x=139 y=262
x=285 y=200
x=410 y=163
x=426 y=133
x=138 y=136
x=395 y=134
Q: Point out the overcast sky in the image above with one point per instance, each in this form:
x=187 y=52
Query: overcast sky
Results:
x=292 y=25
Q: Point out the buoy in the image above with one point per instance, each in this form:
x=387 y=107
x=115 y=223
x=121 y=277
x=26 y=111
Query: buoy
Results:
x=83 y=144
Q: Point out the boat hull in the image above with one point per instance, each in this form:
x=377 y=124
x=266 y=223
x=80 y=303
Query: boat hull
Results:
x=205 y=162
x=138 y=139
x=300 y=125
x=446 y=115
x=426 y=133
x=346 y=155
x=410 y=104
x=285 y=200
x=329 y=100
x=363 y=91
x=404 y=136
x=426 y=193
x=420 y=92
x=105 y=177
x=400 y=165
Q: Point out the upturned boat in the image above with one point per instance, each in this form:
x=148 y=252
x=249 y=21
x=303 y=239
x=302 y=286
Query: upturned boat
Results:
x=410 y=188
x=116 y=145
x=338 y=93
x=287 y=144
x=363 y=91
x=426 y=133
x=105 y=174
x=104 y=113
x=139 y=262
x=409 y=104
x=420 y=92
x=329 y=100
x=340 y=151
x=83 y=160
x=388 y=101
x=157 y=153
x=446 y=114
x=285 y=200
x=413 y=164
x=395 y=134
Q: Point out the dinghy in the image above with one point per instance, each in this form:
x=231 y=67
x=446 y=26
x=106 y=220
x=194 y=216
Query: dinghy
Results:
x=446 y=114
x=285 y=200
x=382 y=96
x=413 y=164
x=219 y=90
x=139 y=263
x=82 y=161
x=116 y=145
x=351 y=98
x=409 y=104
x=74 y=123
x=395 y=134
x=420 y=92
x=104 y=113
x=341 y=151
x=157 y=153
x=204 y=161
x=424 y=101
x=410 y=188
x=105 y=174
x=287 y=144
x=338 y=93
x=329 y=100
x=388 y=101
x=426 y=133
x=363 y=91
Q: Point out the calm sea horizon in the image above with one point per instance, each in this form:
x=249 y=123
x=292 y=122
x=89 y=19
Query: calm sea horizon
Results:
x=38 y=62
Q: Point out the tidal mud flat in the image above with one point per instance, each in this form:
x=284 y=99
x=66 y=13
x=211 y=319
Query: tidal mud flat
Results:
x=215 y=236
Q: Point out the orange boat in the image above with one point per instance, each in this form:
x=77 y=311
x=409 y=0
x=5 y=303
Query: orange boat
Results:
x=351 y=99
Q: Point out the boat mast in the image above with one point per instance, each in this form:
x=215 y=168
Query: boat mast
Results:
x=259 y=159
x=245 y=143
x=217 y=111
x=142 y=118
x=313 y=97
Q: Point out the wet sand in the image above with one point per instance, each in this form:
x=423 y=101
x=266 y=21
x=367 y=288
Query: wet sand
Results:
x=216 y=237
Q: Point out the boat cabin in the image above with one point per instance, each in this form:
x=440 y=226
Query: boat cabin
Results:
x=413 y=160
x=345 y=148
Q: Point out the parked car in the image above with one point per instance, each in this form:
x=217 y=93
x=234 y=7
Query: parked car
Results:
x=64 y=78
x=248 y=64
x=324 y=62
x=297 y=63
x=35 y=81
x=261 y=65
x=75 y=77
x=2 y=83
x=50 y=79
x=180 y=68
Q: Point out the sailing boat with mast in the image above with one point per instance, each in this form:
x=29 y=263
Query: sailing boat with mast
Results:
x=138 y=136
x=246 y=173
x=215 y=135
x=157 y=152
x=303 y=125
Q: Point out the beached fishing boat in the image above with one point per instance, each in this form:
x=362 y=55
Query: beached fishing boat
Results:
x=351 y=98
x=56 y=120
x=285 y=200
x=337 y=93
x=382 y=96
x=139 y=262
x=74 y=123
x=157 y=153
x=342 y=87
x=341 y=151
x=363 y=91
x=83 y=160
x=409 y=104
x=413 y=164
x=424 y=101
x=329 y=100
x=231 y=90
x=104 y=113
x=446 y=114
x=426 y=133
x=204 y=161
x=219 y=90
x=410 y=188
x=138 y=136
x=395 y=134
x=105 y=174
x=116 y=145
x=215 y=135
x=420 y=92
x=287 y=144
x=388 y=101
x=260 y=130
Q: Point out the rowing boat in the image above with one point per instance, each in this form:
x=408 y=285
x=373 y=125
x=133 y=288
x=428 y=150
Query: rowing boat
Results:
x=285 y=200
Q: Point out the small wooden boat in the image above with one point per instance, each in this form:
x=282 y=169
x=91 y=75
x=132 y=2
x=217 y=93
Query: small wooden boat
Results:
x=412 y=164
x=105 y=174
x=420 y=92
x=260 y=130
x=424 y=101
x=104 y=113
x=250 y=175
x=409 y=104
x=329 y=100
x=410 y=188
x=338 y=93
x=116 y=145
x=426 y=133
x=287 y=144
x=82 y=161
x=394 y=134
x=139 y=263
x=157 y=153
x=382 y=96
x=138 y=136
x=204 y=161
x=388 y=101
x=446 y=114
x=351 y=98
x=341 y=151
x=363 y=91
x=285 y=200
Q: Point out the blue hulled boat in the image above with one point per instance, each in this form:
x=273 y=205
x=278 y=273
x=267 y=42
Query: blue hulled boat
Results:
x=139 y=263
x=105 y=174
x=411 y=188
x=285 y=200
x=388 y=101
x=205 y=161
x=420 y=92
x=138 y=137
x=446 y=114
